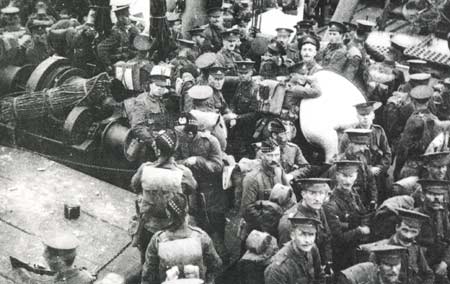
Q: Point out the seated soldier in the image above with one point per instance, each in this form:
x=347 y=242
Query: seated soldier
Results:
x=386 y=269
x=415 y=267
x=180 y=245
x=258 y=184
x=314 y=192
x=434 y=234
x=272 y=63
x=60 y=253
x=38 y=50
x=299 y=260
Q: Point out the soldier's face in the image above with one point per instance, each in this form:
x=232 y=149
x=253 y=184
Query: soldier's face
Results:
x=245 y=76
x=283 y=37
x=216 y=20
x=302 y=239
x=216 y=82
x=335 y=37
x=308 y=52
x=123 y=19
x=390 y=273
x=272 y=159
x=313 y=199
x=346 y=180
x=177 y=26
x=437 y=172
x=406 y=234
x=198 y=39
x=434 y=201
x=365 y=121
x=282 y=138
x=12 y=20
x=230 y=44
x=157 y=90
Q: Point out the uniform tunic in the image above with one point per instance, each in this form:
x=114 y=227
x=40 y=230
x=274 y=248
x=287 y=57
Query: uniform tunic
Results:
x=244 y=103
x=323 y=237
x=334 y=57
x=341 y=212
x=293 y=266
x=415 y=138
x=213 y=38
x=271 y=70
x=258 y=184
x=151 y=270
x=293 y=161
x=226 y=58
x=146 y=114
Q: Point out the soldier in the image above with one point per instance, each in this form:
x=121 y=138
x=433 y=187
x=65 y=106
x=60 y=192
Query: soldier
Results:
x=308 y=46
x=299 y=260
x=416 y=135
x=244 y=104
x=41 y=14
x=142 y=43
x=289 y=7
x=283 y=37
x=200 y=152
x=85 y=34
x=228 y=54
x=434 y=233
x=147 y=181
x=180 y=245
x=117 y=45
x=272 y=64
x=386 y=269
x=10 y=15
x=259 y=182
x=185 y=56
x=213 y=31
x=380 y=152
x=356 y=68
x=174 y=20
x=343 y=212
x=314 y=192
x=38 y=50
x=198 y=37
x=415 y=267
x=147 y=112
x=292 y=160
x=60 y=253
x=415 y=79
x=334 y=56
x=350 y=32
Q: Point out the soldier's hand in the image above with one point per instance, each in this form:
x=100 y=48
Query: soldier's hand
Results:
x=375 y=170
x=172 y=274
x=441 y=268
x=364 y=230
x=232 y=123
x=191 y=271
x=190 y=161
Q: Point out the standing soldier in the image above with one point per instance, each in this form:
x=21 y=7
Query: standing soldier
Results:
x=415 y=266
x=10 y=15
x=342 y=213
x=350 y=33
x=180 y=247
x=292 y=160
x=283 y=37
x=314 y=192
x=434 y=233
x=334 y=56
x=174 y=20
x=213 y=31
x=386 y=269
x=117 y=46
x=198 y=37
x=228 y=54
x=200 y=152
x=416 y=135
x=299 y=260
x=258 y=184
x=244 y=104
x=272 y=64
x=356 y=68
x=147 y=113
x=85 y=34
x=158 y=182
x=308 y=46
x=60 y=253
x=39 y=48
x=380 y=152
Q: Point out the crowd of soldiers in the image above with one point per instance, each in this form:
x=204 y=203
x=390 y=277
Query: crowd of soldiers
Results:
x=360 y=218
